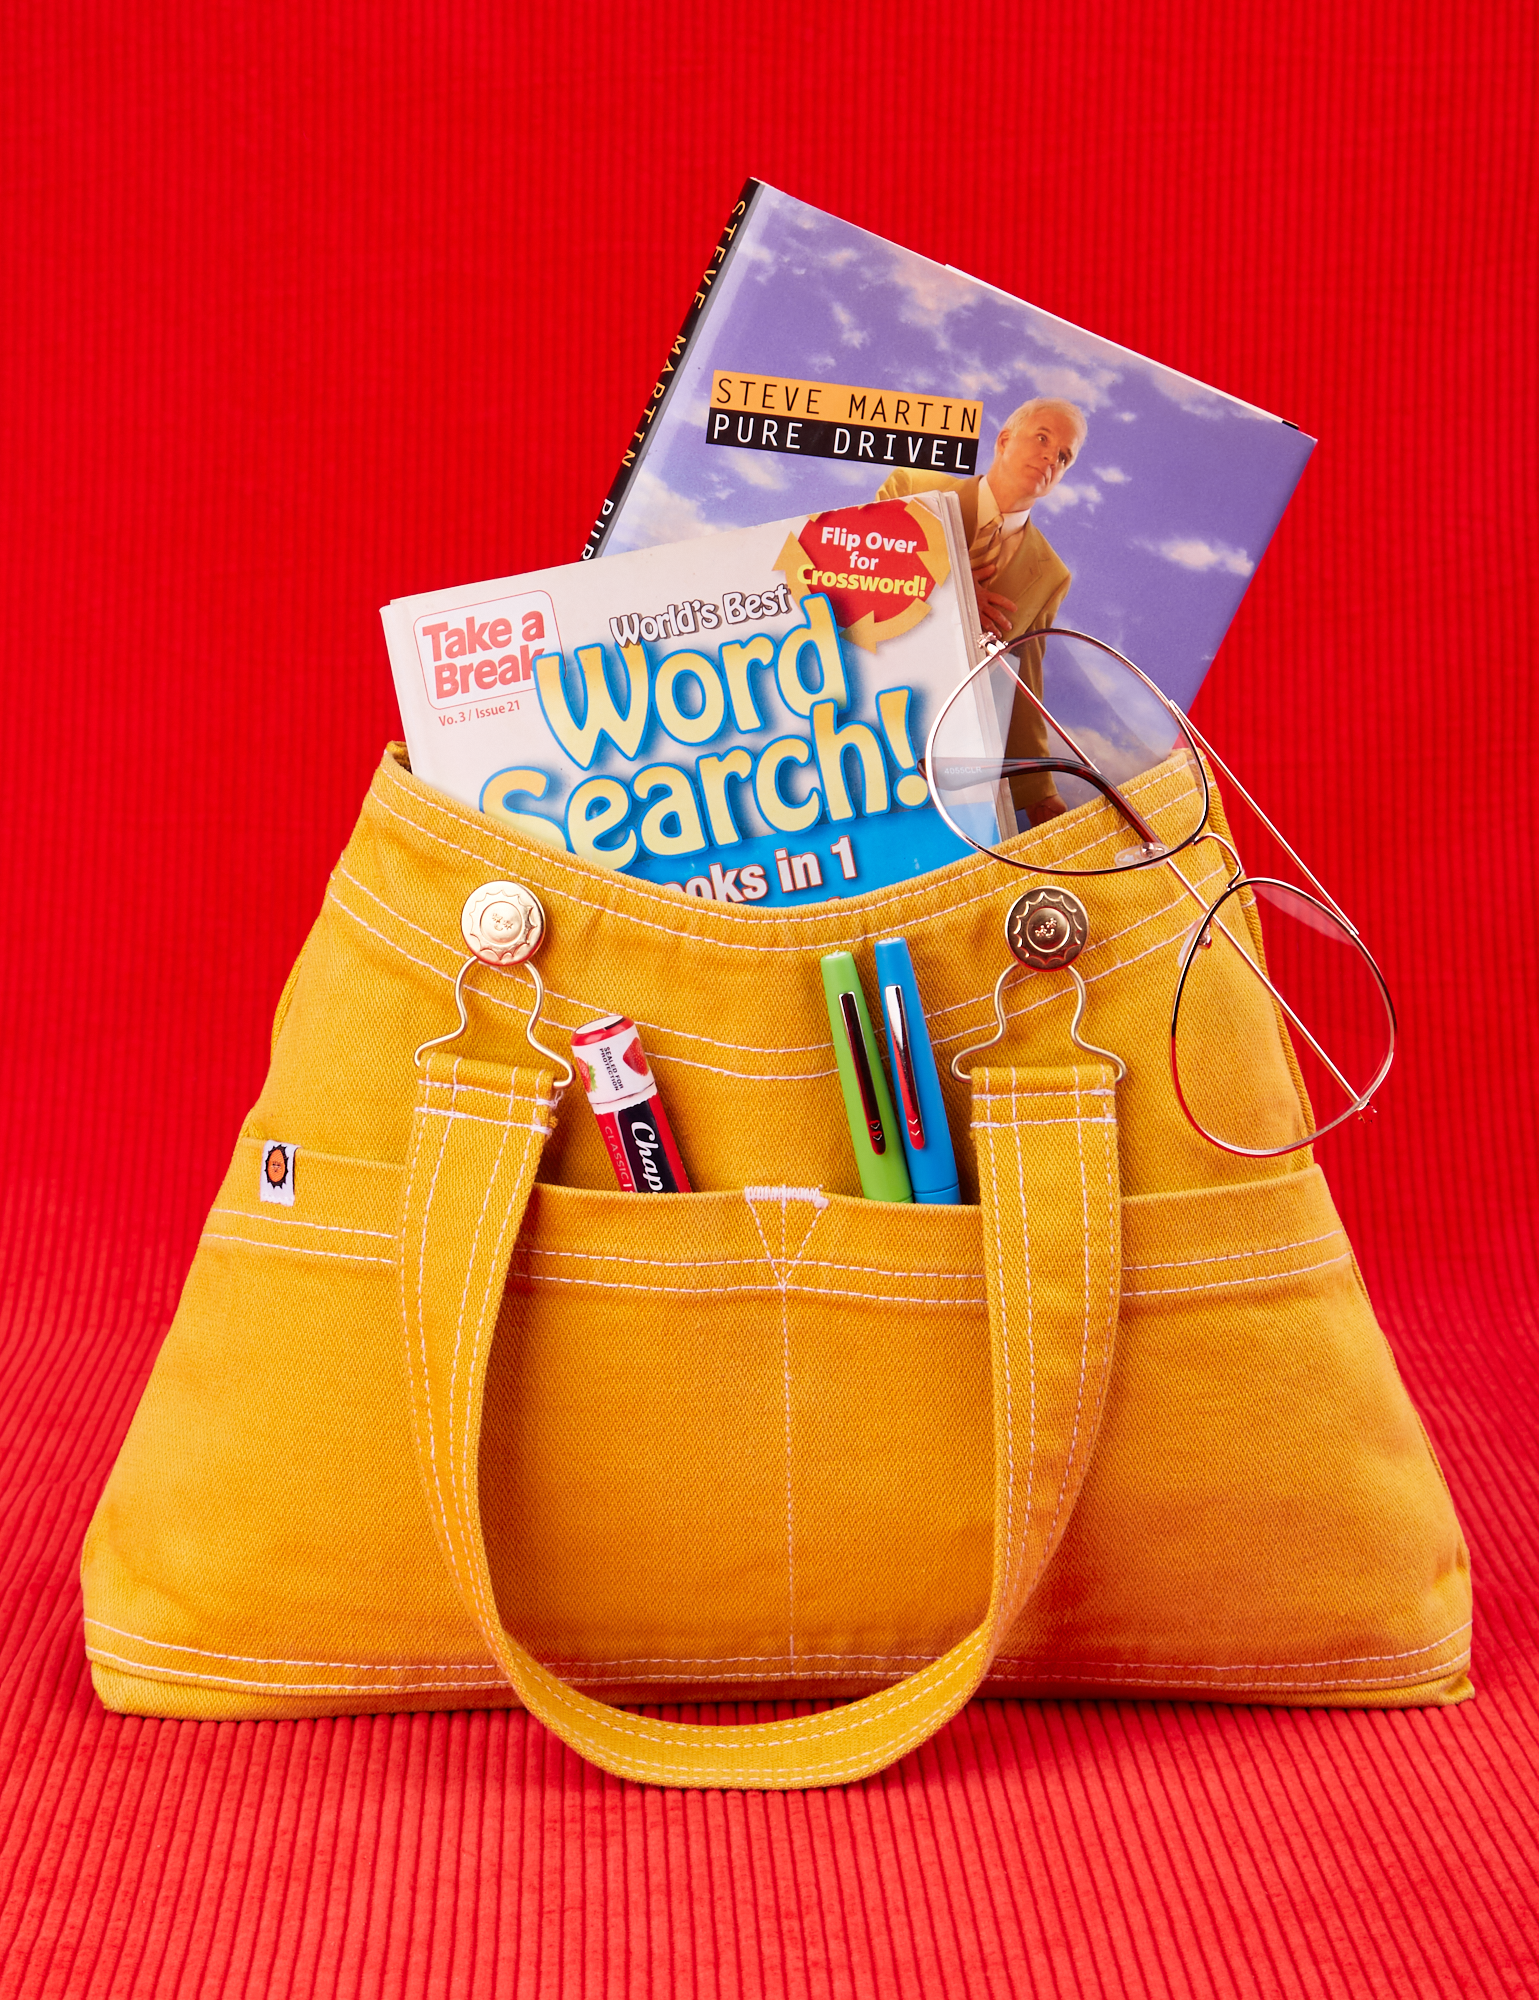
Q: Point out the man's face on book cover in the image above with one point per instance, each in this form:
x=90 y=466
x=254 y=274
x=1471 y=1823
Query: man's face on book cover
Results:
x=1030 y=460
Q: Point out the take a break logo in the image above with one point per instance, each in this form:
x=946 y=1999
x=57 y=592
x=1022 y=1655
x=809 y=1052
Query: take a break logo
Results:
x=483 y=652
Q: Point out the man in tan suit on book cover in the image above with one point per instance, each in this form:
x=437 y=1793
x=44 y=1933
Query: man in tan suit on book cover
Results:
x=1018 y=577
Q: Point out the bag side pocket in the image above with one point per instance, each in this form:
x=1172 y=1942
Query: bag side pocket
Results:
x=1264 y=1520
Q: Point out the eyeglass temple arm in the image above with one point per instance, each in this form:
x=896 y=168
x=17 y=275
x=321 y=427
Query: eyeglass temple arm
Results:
x=1233 y=782
x=1209 y=919
x=1213 y=758
x=1303 y=867
x=1152 y=839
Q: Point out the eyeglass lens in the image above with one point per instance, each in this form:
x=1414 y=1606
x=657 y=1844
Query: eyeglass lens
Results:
x=1231 y=1067
x=999 y=765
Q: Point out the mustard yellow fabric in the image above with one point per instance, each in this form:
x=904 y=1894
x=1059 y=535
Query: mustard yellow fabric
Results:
x=465 y=1426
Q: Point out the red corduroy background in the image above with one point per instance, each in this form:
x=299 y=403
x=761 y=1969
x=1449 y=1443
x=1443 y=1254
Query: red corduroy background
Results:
x=309 y=306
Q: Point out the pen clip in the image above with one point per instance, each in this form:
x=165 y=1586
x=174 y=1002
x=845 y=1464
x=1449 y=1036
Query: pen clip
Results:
x=861 y=1057
x=903 y=1062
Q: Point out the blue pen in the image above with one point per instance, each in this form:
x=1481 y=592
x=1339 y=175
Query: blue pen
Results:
x=932 y=1165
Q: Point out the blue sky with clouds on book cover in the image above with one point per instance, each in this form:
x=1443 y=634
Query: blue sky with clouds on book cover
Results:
x=1161 y=520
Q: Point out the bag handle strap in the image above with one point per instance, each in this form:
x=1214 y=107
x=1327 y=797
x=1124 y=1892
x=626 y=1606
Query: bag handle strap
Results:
x=1046 y=1145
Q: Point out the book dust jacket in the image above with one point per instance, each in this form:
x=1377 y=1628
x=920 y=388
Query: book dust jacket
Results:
x=821 y=366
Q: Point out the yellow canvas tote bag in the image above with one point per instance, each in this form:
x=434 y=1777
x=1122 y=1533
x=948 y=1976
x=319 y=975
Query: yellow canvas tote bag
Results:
x=460 y=1425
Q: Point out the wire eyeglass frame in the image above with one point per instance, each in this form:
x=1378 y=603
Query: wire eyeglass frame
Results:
x=1151 y=851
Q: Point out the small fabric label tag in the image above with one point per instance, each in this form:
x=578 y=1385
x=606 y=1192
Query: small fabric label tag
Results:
x=277 y=1177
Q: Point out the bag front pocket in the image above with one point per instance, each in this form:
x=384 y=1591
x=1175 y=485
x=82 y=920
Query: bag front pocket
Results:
x=739 y=1440
x=1047 y=1231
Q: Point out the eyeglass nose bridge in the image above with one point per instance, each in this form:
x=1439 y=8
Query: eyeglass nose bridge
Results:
x=1236 y=865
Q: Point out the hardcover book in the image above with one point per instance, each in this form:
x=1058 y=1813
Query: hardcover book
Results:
x=821 y=366
x=741 y=717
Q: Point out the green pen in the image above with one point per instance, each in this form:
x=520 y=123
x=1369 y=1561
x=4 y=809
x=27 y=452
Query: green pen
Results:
x=867 y=1101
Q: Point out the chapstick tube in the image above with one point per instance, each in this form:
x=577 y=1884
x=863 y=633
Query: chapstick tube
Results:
x=608 y=1056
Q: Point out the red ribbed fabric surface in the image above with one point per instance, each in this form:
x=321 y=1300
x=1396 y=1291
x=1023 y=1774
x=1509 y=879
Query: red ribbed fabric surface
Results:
x=306 y=307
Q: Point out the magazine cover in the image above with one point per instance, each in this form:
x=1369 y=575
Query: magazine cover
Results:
x=821 y=366
x=741 y=718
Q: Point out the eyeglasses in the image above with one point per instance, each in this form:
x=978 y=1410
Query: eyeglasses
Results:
x=1073 y=723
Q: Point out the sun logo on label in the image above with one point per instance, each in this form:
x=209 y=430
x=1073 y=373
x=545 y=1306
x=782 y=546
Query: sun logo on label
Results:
x=276 y=1181
x=877 y=565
